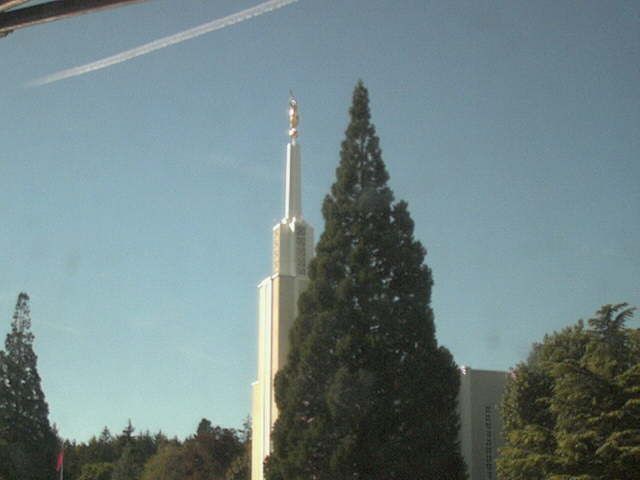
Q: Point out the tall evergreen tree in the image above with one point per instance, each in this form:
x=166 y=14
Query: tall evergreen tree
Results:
x=29 y=451
x=572 y=411
x=367 y=393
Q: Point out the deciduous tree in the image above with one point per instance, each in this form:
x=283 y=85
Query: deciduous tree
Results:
x=572 y=411
x=167 y=464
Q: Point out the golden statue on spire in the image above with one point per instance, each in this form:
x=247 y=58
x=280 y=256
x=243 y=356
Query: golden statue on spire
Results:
x=294 y=118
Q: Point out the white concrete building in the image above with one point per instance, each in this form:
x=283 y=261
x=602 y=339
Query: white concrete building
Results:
x=480 y=421
x=277 y=300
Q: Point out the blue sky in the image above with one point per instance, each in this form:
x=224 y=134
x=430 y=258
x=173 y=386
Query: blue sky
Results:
x=137 y=201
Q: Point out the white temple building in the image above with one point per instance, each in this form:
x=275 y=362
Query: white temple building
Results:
x=277 y=299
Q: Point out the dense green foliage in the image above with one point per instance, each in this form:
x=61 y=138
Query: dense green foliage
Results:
x=130 y=464
x=96 y=471
x=28 y=444
x=240 y=468
x=209 y=454
x=111 y=457
x=367 y=393
x=572 y=411
x=167 y=464
x=213 y=453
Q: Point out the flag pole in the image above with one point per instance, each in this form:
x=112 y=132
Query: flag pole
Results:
x=60 y=464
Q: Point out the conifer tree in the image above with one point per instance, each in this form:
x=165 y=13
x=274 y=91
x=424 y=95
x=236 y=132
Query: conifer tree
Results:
x=366 y=393
x=30 y=442
x=572 y=411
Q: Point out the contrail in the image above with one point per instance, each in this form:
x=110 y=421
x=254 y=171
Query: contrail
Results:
x=164 y=42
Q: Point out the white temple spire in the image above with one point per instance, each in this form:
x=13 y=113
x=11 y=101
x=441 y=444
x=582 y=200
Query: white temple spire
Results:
x=277 y=301
x=293 y=202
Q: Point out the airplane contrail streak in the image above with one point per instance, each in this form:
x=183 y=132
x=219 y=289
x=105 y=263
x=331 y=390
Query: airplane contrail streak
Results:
x=164 y=42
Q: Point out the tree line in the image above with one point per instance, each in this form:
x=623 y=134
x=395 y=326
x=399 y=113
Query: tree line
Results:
x=211 y=453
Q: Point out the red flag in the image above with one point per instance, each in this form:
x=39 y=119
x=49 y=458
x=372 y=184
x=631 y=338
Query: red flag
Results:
x=60 y=463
